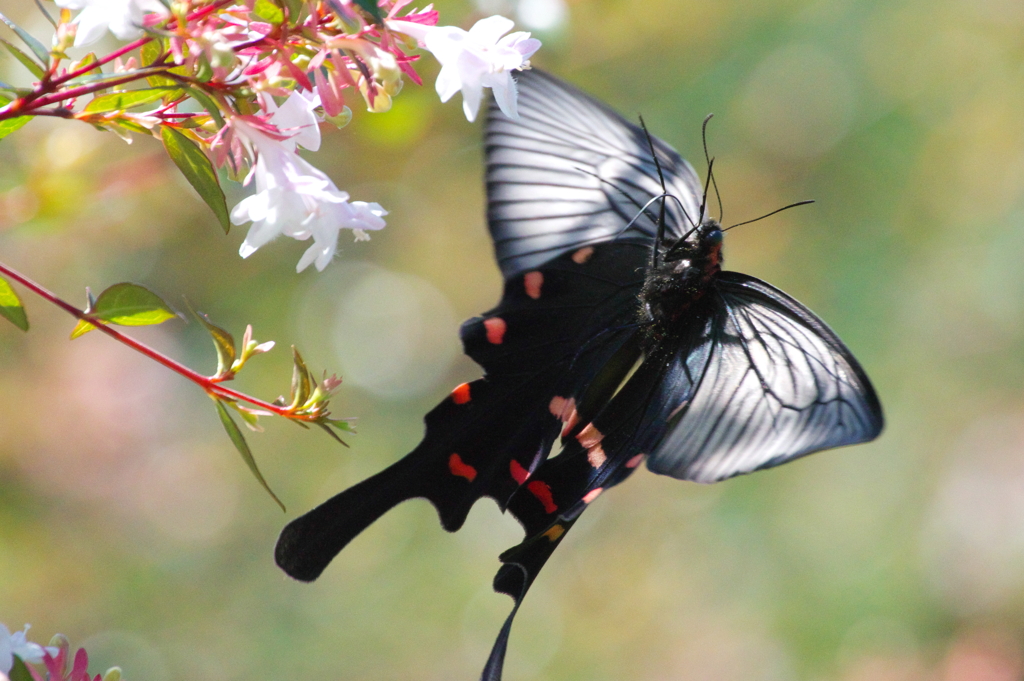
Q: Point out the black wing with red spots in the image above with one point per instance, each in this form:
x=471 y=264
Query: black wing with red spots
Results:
x=556 y=329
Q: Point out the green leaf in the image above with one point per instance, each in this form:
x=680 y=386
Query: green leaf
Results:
x=130 y=126
x=222 y=340
x=208 y=104
x=371 y=7
x=295 y=8
x=301 y=384
x=18 y=91
x=11 y=124
x=19 y=672
x=53 y=22
x=332 y=433
x=268 y=11
x=243 y=448
x=151 y=51
x=88 y=60
x=199 y=172
x=125 y=99
x=33 y=44
x=126 y=304
x=11 y=307
x=26 y=61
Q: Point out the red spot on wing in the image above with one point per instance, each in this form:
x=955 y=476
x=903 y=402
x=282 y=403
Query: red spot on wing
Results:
x=582 y=255
x=592 y=494
x=461 y=394
x=635 y=461
x=519 y=474
x=461 y=469
x=532 y=283
x=543 y=493
x=496 y=328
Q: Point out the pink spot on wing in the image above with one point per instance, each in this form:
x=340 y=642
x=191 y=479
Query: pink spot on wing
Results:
x=496 y=328
x=461 y=469
x=561 y=406
x=590 y=436
x=592 y=494
x=519 y=474
x=570 y=422
x=543 y=493
x=582 y=255
x=532 y=283
x=461 y=394
x=635 y=461
x=596 y=456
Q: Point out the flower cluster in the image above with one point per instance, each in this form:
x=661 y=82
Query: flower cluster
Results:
x=16 y=652
x=264 y=74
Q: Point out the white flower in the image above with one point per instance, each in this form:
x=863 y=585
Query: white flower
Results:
x=293 y=197
x=474 y=59
x=122 y=17
x=296 y=118
x=17 y=644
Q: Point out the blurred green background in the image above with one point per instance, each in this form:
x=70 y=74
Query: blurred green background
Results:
x=128 y=522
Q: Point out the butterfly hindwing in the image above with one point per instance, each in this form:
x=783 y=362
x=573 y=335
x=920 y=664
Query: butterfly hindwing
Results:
x=487 y=436
x=779 y=385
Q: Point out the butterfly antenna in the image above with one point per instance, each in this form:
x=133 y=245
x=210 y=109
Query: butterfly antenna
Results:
x=707 y=157
x=660 y=235
x=766 y=215
x=643 y=209
x=707 y=185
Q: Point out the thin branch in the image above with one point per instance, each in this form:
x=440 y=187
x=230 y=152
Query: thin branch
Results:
x=207 y=383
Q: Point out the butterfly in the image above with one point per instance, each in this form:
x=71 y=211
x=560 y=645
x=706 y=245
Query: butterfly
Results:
x=618 y=336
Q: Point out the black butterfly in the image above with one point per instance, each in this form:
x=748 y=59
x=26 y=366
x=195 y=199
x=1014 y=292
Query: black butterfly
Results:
x=617 y=332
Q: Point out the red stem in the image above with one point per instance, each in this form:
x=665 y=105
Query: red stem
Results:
x=210 y=385
x=86 y=89
x=100 y=62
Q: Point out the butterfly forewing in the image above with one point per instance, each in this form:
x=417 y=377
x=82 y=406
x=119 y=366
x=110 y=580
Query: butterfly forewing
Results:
x=570 y=172
x=779 y=385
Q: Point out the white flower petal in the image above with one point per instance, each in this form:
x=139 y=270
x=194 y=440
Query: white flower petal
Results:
x=6 y=650
x=472 y=93
x=296 y=117
x=448 y=82
x=446 y=43
x=308 y=257
x=91 y=26
x=296 y=199
x=416 y=31
x=123 y=18
x=490 y=29
x=475 y=59
x=504 y=89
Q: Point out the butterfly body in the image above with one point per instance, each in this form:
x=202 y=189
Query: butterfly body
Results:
x=618 y=336
x=674 y=285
